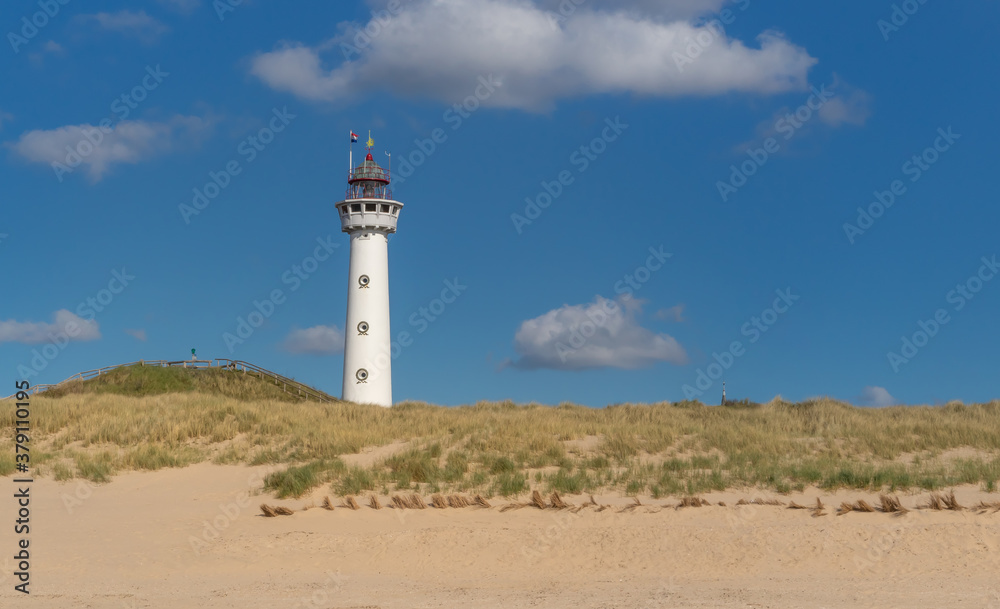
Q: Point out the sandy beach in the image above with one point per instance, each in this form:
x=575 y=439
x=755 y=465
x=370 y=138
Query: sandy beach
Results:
x=195 y=537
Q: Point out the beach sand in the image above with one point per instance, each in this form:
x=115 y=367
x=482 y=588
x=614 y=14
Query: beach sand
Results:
x=195 y=537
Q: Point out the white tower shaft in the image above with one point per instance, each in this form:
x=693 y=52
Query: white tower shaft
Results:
x=368 y=342
x=368 y=214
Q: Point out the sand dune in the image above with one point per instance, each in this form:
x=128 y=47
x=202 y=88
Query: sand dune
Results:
x=195 y=537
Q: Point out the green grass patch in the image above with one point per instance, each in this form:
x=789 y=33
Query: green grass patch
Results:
x=7 y=463
x=355 y=481
x=296 y=481
x=508 y=484
x=62 y=472
x=96 y=468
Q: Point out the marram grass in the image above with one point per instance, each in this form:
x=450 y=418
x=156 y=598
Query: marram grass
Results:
x=502 y=449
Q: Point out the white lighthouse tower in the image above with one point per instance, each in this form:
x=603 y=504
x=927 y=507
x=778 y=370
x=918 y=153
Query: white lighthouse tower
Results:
x=368 y=214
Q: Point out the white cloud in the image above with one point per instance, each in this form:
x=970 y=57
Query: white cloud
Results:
x=847 y=105
x=318 y=340
x=129 y=142
x=661 y=9
x=851 y=106
x=33 y=333
x=602 y=334
x=137 y=334
x=52 y=47
x=674 y=313
x=182 y=6
x=129 y=23
x=440 y=48
x=4 y=117
x=876 y=396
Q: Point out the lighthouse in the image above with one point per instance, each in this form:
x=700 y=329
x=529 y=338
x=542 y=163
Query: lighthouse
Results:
x=368 y=214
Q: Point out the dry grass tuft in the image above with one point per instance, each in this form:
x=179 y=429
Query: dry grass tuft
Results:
x=457 y=501
x=439 y=501
x=351 y=503
x=327 y=504
x=794 y=506
x=374 y=503
x=692 y=502
x=844 y=508
x=635 y=504
x=759 y=501
x=984 y=507
x=271 y=512
x=951 y=503
x=556 y=501
x=935 y=502
x=514 y=506
x=480 y=501
x=417 y=502
x=891 y=505
x=537 y=501
x=722 y=504
x=863 y=506
x=819 y=510
x=399 y=503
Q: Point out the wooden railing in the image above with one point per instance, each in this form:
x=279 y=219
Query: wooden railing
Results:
x=286 y=384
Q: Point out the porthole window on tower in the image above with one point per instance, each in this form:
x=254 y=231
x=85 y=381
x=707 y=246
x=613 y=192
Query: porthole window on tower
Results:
x=363 y=281
x=363 y=328
x=361 y=375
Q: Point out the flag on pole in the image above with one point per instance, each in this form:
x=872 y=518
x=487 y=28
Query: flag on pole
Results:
x=354 y=137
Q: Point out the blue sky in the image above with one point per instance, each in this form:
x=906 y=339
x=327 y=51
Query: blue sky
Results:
x=706 y=156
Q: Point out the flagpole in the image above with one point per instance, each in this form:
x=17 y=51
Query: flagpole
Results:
x=350 y=158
